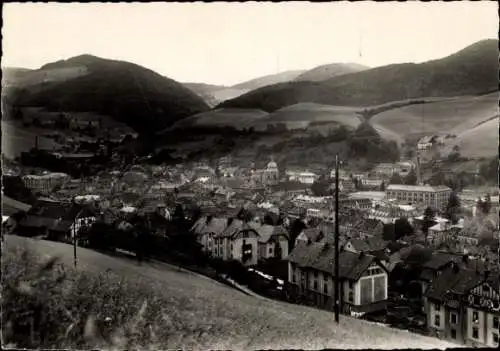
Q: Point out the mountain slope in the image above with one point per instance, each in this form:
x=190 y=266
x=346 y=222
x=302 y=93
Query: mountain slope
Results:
x=331 y=70
x=129 y=93
x=471 y=71
x=269 y=80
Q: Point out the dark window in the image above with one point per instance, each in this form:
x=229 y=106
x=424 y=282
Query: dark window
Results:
x=453 y=334
x=495 y=338
x=453 y=318
x=351 y=285
x=325 y=287
x=351 y=297
x=495 y=322
x=437 y=320
x=315 y=284
x=437 y=307
x=475 y=333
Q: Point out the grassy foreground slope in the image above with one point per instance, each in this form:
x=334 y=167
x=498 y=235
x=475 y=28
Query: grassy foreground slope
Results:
x=190 y=312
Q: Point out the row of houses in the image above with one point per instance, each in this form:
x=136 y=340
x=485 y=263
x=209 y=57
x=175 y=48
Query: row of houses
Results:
x=246 y=241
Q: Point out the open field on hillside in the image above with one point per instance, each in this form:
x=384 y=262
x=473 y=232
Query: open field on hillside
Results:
x=317 y=116
x=197 y=313
x=237 y=118
x=16 y=140
x=37 y=77
x=481 y=141
x=450 y=115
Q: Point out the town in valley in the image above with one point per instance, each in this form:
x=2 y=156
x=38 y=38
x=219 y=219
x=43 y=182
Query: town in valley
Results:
x=310 y=189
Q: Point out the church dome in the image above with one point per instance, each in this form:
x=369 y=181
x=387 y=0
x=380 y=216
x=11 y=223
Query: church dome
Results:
x=271 y=165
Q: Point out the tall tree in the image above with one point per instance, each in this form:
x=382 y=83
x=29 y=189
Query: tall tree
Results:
x=411 y=178
x=402 y=227
x=453 y=208
x=428 y=221
x=396 y=179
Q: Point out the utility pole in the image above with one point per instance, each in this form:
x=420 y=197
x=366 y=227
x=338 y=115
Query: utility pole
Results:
x=337 y=278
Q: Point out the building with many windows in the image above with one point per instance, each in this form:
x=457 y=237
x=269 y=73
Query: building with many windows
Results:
x=463 y=305
x=363 y=278
x=45 y=183
x=435 y=197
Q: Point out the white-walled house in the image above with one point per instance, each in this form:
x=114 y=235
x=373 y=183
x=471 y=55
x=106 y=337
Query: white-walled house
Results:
x=228 y=239
x=363 y=278
x=463 y=305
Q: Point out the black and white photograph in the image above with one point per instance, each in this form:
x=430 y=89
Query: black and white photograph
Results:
x=250 y=175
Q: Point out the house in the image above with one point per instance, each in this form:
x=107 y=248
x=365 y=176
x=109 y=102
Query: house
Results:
x=463 y=305
x=370 y=245
x=45 y=183
x=57 y=221
x=273 y=240
x=228 y=239
x=431 y=269
x=425 y=143
x=363 y=279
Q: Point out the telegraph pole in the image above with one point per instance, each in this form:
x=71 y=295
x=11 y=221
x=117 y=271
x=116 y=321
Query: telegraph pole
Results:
x=337 y=278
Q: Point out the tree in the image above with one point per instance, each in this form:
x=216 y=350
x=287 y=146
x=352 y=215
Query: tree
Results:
x=297 y=227
x=484 y=205
x=453 y=208
x=428 y=221
x=396 y=179
x=402 y=228
x=411 y=178
x=320 y=187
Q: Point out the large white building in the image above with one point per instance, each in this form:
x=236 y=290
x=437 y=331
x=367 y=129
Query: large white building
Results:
x=433 y=196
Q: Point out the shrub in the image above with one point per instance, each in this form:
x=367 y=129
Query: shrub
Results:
x=46 y=305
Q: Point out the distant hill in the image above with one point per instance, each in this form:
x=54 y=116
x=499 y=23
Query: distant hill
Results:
x=331 y=70
x=471 y=71
x=214 y=94
x=269 y=80
x=10 y=75
x=129 y=93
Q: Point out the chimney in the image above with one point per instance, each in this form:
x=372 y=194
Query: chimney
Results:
x=419 y=176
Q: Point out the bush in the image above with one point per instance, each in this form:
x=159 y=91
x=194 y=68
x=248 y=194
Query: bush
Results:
x=46 y=305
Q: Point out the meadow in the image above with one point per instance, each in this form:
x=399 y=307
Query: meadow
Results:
x=114 y=303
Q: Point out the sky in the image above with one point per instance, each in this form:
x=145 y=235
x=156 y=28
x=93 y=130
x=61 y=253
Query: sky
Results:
x=224 y=43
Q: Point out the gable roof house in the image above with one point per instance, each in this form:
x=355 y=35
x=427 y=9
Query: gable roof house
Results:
x=56 y=220
x=463 y=305
x=363 y=279
x=273 y=240
x=228 y=238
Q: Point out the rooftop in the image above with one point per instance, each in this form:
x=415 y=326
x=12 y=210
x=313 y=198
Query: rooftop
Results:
x=428 y=188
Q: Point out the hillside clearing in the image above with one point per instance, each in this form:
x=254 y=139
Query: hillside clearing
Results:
x=481 y=141
x=201 y=314
x=451 y=115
